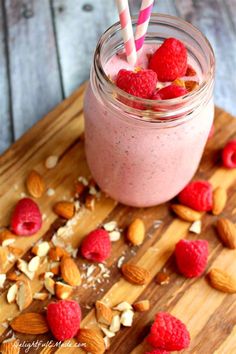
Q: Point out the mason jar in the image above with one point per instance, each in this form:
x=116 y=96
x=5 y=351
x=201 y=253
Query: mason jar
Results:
x=145 y=157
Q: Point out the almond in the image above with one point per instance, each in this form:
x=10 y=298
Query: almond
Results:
x=135 y=274
x=103 y=313
x=136 y=232
x=186 y=213
x=3 y=259
x=41 y=249
x=222 y=281
x=65 y=210
x=115 y=324
x=6 y=236
x=63 y=291
x=30 y=323
x=49 y=284
x=33 y=264
x=35 y=184
x=191 y=85
x=56 y=253
x=196 y=227
x=40 y=296
x=90 y=202
x=24 y=295
x=91 y=340
x=16 y=251
x=107 y=332
x=123 y=306
x=179 y=82
x=141 y=306
x=126 y=318
x=219 y=200
x=51 y=162
x=70 y=272
x=227 y=232
x=2 y=280
x=55 y=268
x=15 y=275
x=12 y=293
x=23 y=267
x=10 y=346
x=162 y=278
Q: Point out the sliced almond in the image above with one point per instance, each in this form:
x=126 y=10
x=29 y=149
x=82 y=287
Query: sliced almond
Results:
x=55 y=268
x=219 y=200
x=49 y=284
x=12 y=293
x=107 y=332
x=107 y=342
x=51 y=161
x=70 y=272
x=24 y=295
x=35 y=184
x=90 y=202
x=110 y=226
x=227 y=232
x=186 y=213
x=41 y=249
x=123 y=306
x=40 y=296
x=2 y=280
x=222 y=281
x=65 y=210
x=23 y=267
x=103 y=313
x=115 y=324
x=196 y=227
x=135 y=274
x=142 y=306
x=126 y=318
x=10 y=346
x=92 y=340
x=63 y=291
x=56 y=253
x=136 y=232
x=114 y=235
x=30 y=323
x=33 y=264
x=3 y=259
x=6 y=235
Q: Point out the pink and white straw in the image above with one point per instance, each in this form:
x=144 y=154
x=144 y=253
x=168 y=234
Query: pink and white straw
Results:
x=142 y=25
x=127 y=31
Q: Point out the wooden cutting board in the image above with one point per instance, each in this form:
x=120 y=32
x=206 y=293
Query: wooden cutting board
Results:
x=209 y=315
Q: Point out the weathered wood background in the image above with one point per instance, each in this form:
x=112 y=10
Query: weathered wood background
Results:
x=46 y=48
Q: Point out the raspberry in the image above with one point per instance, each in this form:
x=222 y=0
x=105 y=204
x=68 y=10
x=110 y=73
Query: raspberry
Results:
x=170 y=60
x=197 y=195
x=157 y=351
x=169 y=333
x=96 y=246
x=26 y=218
x=168 y=92
x=140 y=84
x=191 y=257
x=229 y=154
x=64 y=319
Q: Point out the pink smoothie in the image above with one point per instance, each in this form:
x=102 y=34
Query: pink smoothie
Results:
x=140 y=163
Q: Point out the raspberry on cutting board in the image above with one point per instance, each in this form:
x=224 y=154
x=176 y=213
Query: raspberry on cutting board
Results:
x=229 y=154
x=170 y=60
x=96 y=246
x=26 y=218
x=191 y=257
x=168 y=333
x=197 y=195
x=64 y=319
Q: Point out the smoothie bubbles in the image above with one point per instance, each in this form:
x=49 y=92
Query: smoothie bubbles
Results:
x=148 y=113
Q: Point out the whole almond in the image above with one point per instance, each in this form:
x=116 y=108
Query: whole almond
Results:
x=91 y=340
x=10 y=347
x=103 y=313
x=136 y=232
x=219 y=200
x=222 y=281
x=135 y=274
x=30 y=323
x=186 y=213
x=227 y=232
x=24 y=295
x=35 y=184
x=141 y=306
x=66 y=210
x=63 y=291
x=70 y=272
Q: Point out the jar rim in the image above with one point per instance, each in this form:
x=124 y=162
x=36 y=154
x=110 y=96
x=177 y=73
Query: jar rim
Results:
x=183 y=100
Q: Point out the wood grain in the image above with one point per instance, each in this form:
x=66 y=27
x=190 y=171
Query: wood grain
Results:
x=209 y=315
x=34 y=75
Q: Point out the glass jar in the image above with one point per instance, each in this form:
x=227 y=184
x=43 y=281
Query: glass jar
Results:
x=146 y=157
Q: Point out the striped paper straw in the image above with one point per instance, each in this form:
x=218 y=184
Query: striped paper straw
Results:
x=127 y=31
x=142 y=25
